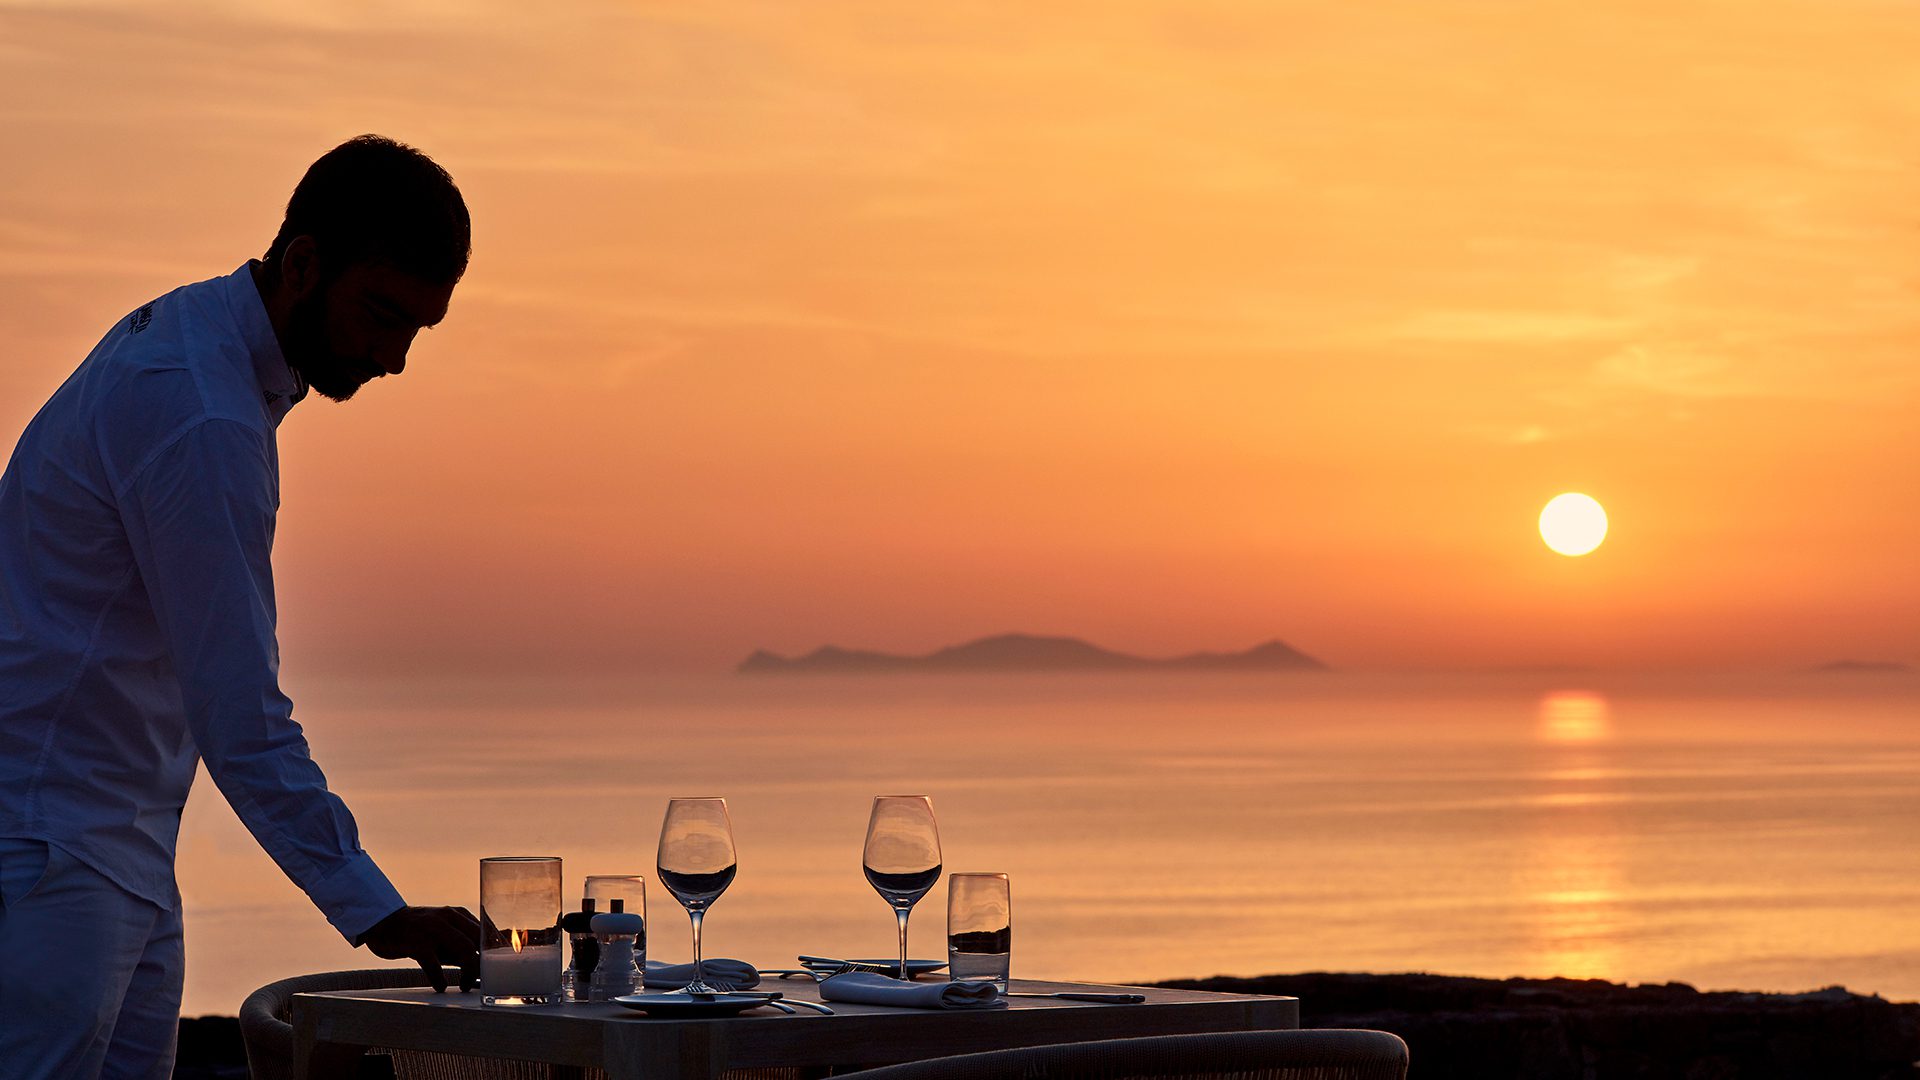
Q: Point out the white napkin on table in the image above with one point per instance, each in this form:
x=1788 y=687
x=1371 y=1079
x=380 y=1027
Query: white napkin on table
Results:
x=867 y=988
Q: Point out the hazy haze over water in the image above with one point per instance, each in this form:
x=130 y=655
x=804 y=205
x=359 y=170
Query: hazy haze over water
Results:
x=1727 y=834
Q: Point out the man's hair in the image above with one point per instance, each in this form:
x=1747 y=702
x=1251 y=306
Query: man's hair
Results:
x=372 y=199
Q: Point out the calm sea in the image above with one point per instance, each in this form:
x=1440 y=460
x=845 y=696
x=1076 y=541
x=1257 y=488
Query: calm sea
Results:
x=1739 y=833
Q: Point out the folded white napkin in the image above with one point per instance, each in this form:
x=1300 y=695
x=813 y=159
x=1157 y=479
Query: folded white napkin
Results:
x=734 y=974
x=867 y=988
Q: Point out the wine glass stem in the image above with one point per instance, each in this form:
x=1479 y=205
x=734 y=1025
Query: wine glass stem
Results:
x=696 y=915
x=903 y=913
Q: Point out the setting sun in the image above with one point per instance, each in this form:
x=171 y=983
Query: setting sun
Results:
x=1573 y=524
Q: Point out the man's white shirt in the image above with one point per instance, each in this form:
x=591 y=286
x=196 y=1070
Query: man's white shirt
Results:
x=137 y=612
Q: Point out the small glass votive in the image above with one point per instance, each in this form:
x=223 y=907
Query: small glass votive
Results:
x=630 y=889
x=979 y=929
x=520 y=930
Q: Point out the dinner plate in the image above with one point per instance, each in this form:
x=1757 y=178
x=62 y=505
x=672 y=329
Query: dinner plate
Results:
x=685 y=1005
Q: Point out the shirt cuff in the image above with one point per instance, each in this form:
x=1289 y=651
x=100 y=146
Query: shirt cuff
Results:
x=355 y=897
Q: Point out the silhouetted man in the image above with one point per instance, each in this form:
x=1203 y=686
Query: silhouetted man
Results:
x=137 y=617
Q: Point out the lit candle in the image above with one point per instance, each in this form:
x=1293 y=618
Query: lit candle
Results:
x=521 y=971
x=520 y=929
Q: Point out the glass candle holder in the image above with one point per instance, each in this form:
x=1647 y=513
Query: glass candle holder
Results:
x=979 y=928
x=520 y=930
x=604 y=889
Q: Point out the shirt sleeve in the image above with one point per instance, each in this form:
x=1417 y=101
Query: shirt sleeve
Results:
x=200 y=516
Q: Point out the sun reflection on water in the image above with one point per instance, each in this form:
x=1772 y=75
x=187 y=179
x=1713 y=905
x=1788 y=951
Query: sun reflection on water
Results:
x=1574 y=716
x=1575 y=877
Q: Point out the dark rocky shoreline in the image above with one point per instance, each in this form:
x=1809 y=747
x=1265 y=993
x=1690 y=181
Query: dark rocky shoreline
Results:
x=1588 y=1029
x=1513 y=1029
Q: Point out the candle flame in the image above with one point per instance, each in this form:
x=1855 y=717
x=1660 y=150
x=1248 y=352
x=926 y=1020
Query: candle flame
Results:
x=516 y=939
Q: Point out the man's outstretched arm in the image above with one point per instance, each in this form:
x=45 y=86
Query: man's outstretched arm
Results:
x=200 y=516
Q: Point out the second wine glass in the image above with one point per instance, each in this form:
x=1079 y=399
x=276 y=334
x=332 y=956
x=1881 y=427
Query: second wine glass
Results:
x=696 y=864
x=902 y=858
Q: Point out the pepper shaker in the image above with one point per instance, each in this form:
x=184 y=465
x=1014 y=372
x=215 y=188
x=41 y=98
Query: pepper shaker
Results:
x=575 y=981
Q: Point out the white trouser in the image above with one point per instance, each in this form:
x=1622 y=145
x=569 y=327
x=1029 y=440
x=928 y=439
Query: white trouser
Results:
x=90 y=975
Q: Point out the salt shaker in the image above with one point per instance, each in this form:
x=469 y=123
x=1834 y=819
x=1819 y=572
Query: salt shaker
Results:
x=620 y=937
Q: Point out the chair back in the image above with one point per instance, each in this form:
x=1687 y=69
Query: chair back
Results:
x=1322 y=1054
x=266 y=1016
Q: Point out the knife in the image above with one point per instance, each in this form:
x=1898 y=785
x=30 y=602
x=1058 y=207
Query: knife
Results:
x=1104 y=999
x=772 y=997
x=843 y=966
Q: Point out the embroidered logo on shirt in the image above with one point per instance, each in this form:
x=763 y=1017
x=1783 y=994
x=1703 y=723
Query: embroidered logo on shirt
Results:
x=140 y=319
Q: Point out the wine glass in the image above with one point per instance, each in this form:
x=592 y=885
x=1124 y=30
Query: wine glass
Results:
x=902 y=859
x=696 y=864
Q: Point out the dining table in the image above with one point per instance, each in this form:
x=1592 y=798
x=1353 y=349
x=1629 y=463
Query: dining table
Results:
x=332 y=1029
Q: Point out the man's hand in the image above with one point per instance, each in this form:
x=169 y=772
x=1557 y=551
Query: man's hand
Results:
x=430 y=936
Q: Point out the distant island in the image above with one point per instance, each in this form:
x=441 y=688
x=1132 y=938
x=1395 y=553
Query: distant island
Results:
x=1865 y=667
x=1026 y=653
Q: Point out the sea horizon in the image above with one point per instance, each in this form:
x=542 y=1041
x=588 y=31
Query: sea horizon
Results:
x=1729 y=830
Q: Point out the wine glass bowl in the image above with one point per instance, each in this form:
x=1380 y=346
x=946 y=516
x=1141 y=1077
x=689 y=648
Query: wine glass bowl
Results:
x=696 y=863
x=902 y=856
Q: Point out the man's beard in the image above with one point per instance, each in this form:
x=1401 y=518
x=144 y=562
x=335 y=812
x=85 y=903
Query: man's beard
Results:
x=310 y=352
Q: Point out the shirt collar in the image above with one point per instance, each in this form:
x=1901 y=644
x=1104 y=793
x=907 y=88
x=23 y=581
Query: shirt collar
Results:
x=280 y=385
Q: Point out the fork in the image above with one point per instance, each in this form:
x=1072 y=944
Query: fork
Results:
x=779 y=1003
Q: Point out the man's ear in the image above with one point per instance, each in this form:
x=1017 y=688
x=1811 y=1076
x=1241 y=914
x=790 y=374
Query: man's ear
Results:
x=300 y=267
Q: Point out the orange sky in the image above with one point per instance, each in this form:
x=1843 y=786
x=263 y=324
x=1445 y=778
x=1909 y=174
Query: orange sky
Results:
x=1170 y=325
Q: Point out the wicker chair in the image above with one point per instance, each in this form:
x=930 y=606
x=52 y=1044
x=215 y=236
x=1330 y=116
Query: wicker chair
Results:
x=1325 y=1054
x=265 y=1026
